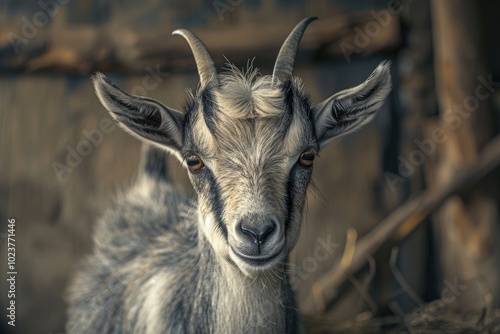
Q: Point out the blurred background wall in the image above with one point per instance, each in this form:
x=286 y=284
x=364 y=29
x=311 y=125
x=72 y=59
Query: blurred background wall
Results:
x=48 y=111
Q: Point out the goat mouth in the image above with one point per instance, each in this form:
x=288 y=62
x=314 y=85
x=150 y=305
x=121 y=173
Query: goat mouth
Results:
x=260 y=262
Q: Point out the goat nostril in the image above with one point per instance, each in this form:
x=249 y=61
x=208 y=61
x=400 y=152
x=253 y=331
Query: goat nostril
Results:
x=250 y=232
x=269 y=229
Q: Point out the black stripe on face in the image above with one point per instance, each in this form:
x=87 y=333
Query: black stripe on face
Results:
x=297 y=184
x=209 y=109
x=297 y=104
x=286 y=118
x=288 y=93
x=204 y=182
x=287 y=90
x=293 y=93
x=189 y=121
x=217 y=204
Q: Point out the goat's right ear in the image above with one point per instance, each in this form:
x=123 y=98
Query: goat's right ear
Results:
x=352 y=108
x=147 y=119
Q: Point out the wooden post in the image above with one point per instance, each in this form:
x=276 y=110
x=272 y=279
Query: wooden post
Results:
x=466 y=225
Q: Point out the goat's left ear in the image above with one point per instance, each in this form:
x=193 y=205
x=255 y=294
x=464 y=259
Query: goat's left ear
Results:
x=350 y=109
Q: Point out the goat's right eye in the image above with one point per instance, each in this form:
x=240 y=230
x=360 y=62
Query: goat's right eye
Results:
x=194 y=163
x=306 y=158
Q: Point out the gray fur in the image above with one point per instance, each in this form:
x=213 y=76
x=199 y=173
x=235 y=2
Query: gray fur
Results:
x=165 y=263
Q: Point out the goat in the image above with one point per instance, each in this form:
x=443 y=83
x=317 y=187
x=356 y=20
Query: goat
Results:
x=166 y=263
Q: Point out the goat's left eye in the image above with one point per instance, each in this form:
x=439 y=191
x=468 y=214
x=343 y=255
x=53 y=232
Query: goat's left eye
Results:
x=194 y=163
x=307 y=158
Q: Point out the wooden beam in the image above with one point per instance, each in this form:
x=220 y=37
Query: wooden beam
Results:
x=90 y=48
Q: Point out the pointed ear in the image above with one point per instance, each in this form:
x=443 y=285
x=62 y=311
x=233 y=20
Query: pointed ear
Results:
x=147 y=119
x=350 y=109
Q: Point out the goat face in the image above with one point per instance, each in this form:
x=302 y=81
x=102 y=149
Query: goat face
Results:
x=249 y=143
x=250 y=147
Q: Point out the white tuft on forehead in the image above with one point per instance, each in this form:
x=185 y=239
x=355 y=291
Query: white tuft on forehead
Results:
x=245 y=95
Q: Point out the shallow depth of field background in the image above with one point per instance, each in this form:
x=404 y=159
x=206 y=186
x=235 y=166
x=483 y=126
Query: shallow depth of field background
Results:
x=438 y=49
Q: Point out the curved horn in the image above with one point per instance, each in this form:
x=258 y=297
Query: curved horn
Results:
x=284 y=63
x=204 y=62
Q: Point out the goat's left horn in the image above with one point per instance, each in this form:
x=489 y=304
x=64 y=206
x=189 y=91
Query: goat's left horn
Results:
x=204 y=62
x=284 y=63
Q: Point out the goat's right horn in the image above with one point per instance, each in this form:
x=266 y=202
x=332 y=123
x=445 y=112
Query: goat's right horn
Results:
x=284 y=63
x=204 y=62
